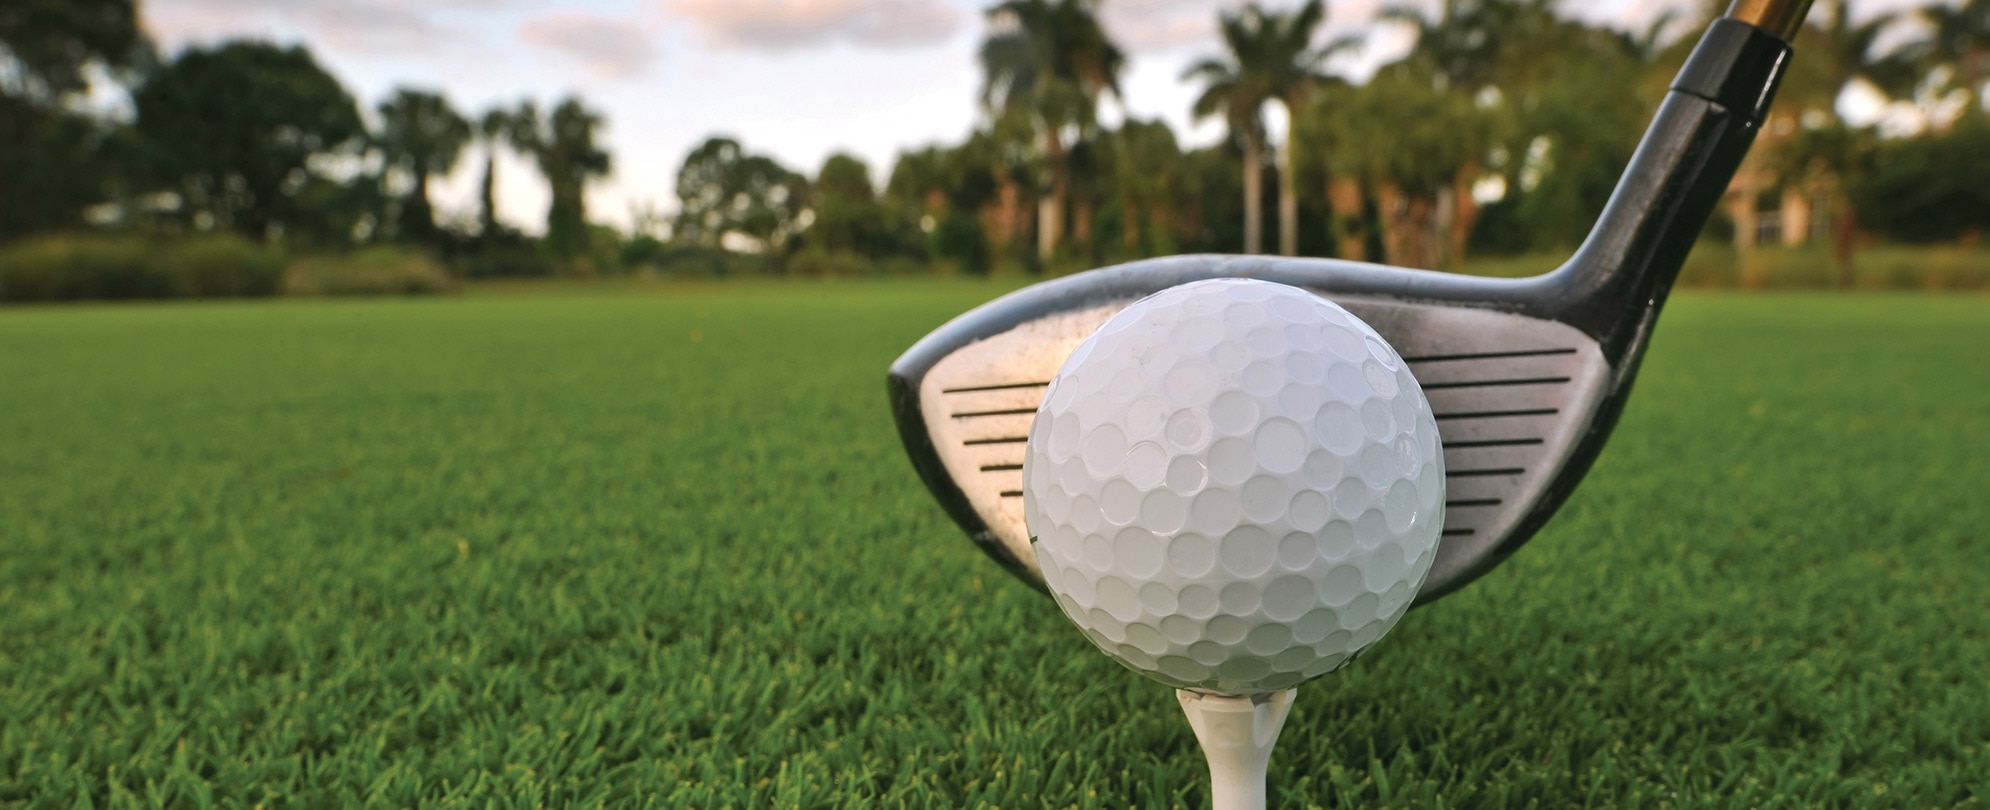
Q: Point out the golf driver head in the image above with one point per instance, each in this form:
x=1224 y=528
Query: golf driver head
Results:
x=1527 y=376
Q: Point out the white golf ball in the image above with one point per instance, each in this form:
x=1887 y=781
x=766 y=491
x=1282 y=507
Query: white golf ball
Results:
x=1234 y=486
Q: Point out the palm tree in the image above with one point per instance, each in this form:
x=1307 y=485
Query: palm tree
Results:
x=1507 y=54
x=1838 y=52
x=1410 y=141
x=1236 y=86
x=1814 y=162
x=1052 y=59
x=1961 y=41
x=1147 y=179
x=423 y=136
x=1297 y=70
x=568 y=156
x=494 y=128
x=1474 y=44
x=1342 y=150
x=1835 y=157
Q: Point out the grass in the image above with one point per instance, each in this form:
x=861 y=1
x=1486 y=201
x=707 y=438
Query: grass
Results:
x=663 y=550
x=1810 y=267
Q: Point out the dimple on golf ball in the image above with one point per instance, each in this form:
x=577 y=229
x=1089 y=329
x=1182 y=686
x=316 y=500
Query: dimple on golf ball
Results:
x=1234 y=486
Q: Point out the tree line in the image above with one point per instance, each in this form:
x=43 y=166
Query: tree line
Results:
x=1502 y=131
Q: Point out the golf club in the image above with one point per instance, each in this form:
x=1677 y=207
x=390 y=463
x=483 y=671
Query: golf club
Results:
x=1527 y=376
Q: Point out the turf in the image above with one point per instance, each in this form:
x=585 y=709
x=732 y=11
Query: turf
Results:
x=663 y=550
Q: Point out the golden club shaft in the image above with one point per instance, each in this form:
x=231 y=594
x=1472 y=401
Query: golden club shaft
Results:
x=1780 y=17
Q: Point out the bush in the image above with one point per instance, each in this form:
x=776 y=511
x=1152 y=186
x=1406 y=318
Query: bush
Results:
x=224 y=265
x=79 y=267
x=819 y=263
x=695 y=261
x=960 y=239
x=1933 y=188
x=373 y=271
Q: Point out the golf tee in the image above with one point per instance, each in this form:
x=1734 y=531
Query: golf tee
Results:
x=1237 y=735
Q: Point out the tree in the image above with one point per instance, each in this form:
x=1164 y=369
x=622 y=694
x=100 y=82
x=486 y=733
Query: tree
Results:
x=1507 y=57
x=1825 y=160
x=422 y=136
x=1294 y=67
x=233 y=131
x=564 y=147
x=1836 y=158
x=963 y=199
x=52 y=158
x=1052 y=60
x=495 y=128
x=721 y=190
x=1410 y=141
x=1960 y=42
x=1149 y=183
x=1344 y=152
x=1931 y=188
x=847 y=216
x=1236 y=86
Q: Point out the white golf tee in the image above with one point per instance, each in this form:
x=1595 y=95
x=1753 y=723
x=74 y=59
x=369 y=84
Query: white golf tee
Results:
x=1237 y=734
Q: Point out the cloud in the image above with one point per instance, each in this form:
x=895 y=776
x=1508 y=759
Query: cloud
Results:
x=360 y=26
x=1162 y=26
x=782 y=25
x=612 y=48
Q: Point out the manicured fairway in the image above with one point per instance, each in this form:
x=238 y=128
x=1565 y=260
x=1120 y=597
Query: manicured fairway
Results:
x=663 y=550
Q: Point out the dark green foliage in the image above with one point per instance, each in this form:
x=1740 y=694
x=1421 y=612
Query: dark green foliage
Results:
x=54 y=163
x=565 y=149
x=666 y=551
x=67 y=268
x=1929 y=189
x=1213 y=219
x=643 y=250
x=96 y=267
x=52 y=158
x=232 y=130
x=223 y=265
x=959 y=238
x=1592 y=127
x=380 y=270
x=422 y=136
x=47 y=45
x=502 y=254
x=851 y=220
x=722 y=189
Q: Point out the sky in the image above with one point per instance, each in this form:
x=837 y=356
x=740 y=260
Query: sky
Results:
x=795 y=79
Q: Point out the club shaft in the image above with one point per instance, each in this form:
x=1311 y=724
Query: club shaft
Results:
x=1780 y=17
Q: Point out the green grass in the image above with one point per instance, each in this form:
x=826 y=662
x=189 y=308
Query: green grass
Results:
x=663 y=550
x=1717 y=266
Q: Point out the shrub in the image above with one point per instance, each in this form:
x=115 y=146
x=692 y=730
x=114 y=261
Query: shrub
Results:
x=221 y=265
x=819 y=263
x=959 y=238
x=1932 y=188
x=1712 y=264
x=373 y=271
x=695 y=261
x=78 y=267
x=71 y=267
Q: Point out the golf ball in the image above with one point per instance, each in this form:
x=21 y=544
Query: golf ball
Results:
x=1234 y=486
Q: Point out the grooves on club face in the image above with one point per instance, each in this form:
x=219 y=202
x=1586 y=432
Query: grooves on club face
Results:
x=1532 y=372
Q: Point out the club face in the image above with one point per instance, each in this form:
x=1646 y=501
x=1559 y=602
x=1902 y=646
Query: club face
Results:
x=1514 y=395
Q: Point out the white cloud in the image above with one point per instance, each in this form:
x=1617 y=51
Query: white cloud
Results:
x=1166 y=26
x=358 y=26
x=609 y=47
x=782 y=25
